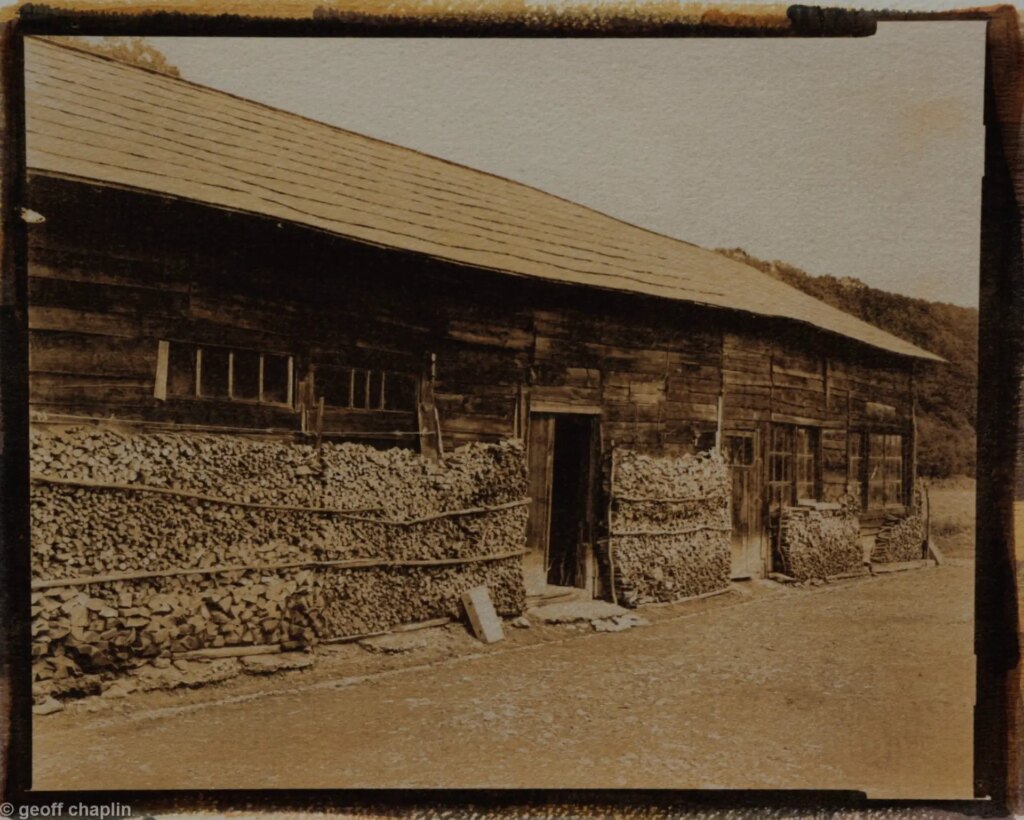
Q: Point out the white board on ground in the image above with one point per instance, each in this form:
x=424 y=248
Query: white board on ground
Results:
x=483 y=619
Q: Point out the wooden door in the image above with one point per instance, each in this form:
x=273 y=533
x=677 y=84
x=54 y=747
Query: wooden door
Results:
x=540 y=462
x=741 y=451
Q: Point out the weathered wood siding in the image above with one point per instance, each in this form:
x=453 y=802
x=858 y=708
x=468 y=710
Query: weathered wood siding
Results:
x=102 y=299
x=658 y=374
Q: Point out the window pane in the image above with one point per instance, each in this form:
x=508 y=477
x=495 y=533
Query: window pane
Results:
x=705 y=442
x=739 y=450
x=894 y=469
x=855 y=473
x=275 y=379
x=376 y=391
x=360 y=391
x=335 y=385
x=806 y=463
x=803 y=440
x=876 y=470
x=245 y=377
x=400 y=392
x=181 y=370
x=214 y=373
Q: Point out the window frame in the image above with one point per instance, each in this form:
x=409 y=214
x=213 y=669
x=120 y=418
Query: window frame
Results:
x=785 y=490
x=381 y=376
x=163 y=375
x=856 y=475
x=893 y=452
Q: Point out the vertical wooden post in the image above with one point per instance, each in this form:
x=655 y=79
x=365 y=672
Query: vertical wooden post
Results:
x=319 y=426
x=163 y=354
x=426 y=412
x=611 y=536
x=910 y=480
x=718 y=429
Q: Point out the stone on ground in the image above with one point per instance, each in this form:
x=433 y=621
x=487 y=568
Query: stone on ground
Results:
x=48 y=707
x=575 y=612
x=619 y=623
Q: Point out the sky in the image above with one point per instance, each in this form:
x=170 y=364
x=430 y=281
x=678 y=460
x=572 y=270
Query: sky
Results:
x=852 y=157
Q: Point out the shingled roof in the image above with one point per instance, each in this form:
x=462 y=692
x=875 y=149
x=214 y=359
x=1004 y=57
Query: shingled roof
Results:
x=96 y=119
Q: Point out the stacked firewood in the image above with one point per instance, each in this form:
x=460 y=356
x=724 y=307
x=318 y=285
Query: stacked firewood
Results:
x=392 y=483
x=669 y=527
x=96 y=531
x=815 y=543
x=148 y=546
x=901 y=538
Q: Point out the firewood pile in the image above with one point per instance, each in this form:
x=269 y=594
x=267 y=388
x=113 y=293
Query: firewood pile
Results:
x=816 y=544
x=148 y=546
x=901 y=538
x=669 y=528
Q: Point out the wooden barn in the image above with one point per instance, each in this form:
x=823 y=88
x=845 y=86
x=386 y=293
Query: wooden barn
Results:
x=203 y=262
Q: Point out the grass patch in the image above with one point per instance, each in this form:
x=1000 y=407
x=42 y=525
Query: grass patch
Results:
x=952 y=521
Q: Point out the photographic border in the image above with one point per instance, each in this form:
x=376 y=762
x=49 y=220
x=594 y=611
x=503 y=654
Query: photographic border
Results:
x=999 y=568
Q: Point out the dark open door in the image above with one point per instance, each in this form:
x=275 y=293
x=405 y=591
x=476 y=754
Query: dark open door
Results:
x=740 y=448
x=562 y=464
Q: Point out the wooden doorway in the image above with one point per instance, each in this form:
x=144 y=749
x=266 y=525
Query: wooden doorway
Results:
x=742 y=454
x=563 y=475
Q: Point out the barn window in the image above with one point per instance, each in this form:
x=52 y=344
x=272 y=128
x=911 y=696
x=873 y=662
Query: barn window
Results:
x=358 y=388
x=794 y=464
x=780 y=466
x=855 y=465
x=806 y=463
x=214 y=366
x=209 y=372
x=245 y=381
x=739 y=449
x=885 y=470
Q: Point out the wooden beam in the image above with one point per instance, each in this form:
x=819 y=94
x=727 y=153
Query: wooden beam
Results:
x=560 y=407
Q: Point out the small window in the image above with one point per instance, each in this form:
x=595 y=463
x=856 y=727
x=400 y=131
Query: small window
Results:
x=855 y=464
x=806 y=463
x=893 y=470
x=780 y=466
x=360 y=388
x=245 y=382
x=181 y=370
x=214 y=369
x=335 y=385
x=400 y=392
x=876 y=470
x=794 y=464
x=277 y=379
x=363 y=389
x=885 y=470
x=204 y=371
x=739 y=449
x=376 y=391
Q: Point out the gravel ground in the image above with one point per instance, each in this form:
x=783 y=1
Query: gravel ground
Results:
x=864 y=685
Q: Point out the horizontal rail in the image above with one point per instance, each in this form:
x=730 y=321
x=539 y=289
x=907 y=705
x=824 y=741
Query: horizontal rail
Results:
x=683 y=531
x=351 y=563
x=348 y=514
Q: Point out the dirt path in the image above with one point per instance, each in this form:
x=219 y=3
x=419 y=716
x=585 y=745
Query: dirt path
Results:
x=866 y=686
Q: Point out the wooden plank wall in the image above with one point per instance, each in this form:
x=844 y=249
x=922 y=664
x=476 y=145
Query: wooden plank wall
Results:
x=784 y=379
x=656 y=384
x=102 y=298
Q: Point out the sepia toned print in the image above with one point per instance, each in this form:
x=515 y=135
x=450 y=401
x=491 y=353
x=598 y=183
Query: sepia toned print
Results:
x=434 y=479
